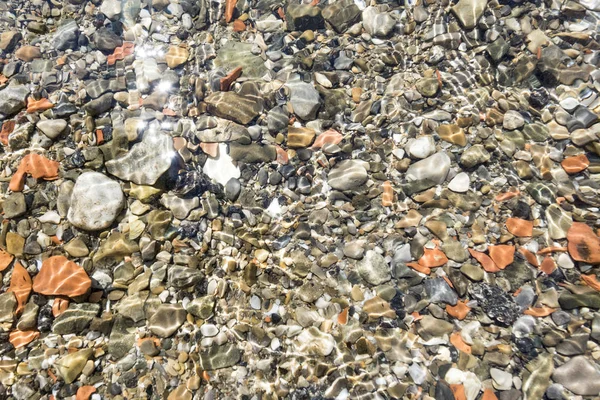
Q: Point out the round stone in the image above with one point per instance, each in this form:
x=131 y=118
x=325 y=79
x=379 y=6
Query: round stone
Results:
x=96 y=201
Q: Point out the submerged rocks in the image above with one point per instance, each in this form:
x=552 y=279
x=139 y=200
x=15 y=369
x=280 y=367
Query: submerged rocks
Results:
x=12 y=100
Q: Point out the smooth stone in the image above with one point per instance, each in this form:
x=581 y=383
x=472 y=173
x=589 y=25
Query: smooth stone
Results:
x=146 y=161
x=71 y=366
x=8 y=305
x=167 y=319
x=182 y=277
x=430 y=327
x=122 y=337
x=474 y=155
x=14 y=205
x=75 y=319
x=377 y=23
x=513 y=120
x=373 y=268
x=348 y=175
x=300 y=137
x=202 y=307
x=570 y=301
x=100 y=105
x=252 y=153
x=428 y=87
x=559 y=221
x=235 y=54
x=421 y=147
x=502 y=379
x=28 y=53
x=232 y=106
x=305 y=99
x=579 y=375
x=536 y=378
x=106 y=40
x=66 y=36
x=96 y=201
x=354 y=249
x=233 y=188
x=301 y=17
x=313 y=342
x=52 y=127
x=432 y=170
x=9 y=40
x=341 y=14
x=111 y=8
x=115 y=248
x=13 y=99
x=218 y=357
x=452 y=133
x=468 y=12
x=221 y=169
x=438 y=290
x=460 y=183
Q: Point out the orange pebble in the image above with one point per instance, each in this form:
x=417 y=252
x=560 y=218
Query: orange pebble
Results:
x=459 y=311
x=539 y=311
x=486 y=262
x=503 y=255
x=591 y=281
x=387 y=198
x=459 y=343
x=529 y=256
x=519 y=227
x=488 y=394
x=85 y=392
x=575 y=164
x=433 y=258
x=548 y=265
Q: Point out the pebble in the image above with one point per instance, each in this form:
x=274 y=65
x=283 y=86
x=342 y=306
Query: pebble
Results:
x=96 y=201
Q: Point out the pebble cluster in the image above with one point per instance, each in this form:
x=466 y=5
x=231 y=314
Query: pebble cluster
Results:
x=270 y=199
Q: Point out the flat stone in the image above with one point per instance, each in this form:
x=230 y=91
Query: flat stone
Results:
x=468 y=12
x=61 y=277
x=305 y=99
x=71 y=366
x=474 y=155
x=300 y=137
x=96 y=201
x=430 y=327
x=314 y=342
x=28 y=53
x=438 y=290
x=230 y=105
x=341 y=14
x=579 y=375
x=14 y=205
x=373 y=268
x=460 y=183
x=218 y=357
x=52 y=127
x=75 y=319
x=433 y=169
x=377 y=23
x=146 y=161
x=348 y=175
x=176 y=56
x=13 y=99
x=167 y=319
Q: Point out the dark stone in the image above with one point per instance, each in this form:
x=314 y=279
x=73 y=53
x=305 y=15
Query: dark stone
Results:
x=496 y=303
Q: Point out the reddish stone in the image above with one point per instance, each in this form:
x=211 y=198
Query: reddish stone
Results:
x=529 y=256
x=329 y=136
x=486 y=262
x=459 y=343
x=120 y=53
x=59 y=306
x=61 y=277
x=282 y=156
x=5 y=260
x=20 y=285
x=85 y=392
x=228 y=79
x=212 y=149
x=519 y=227
x=502 y=255
x=539 y=311
x=548 y=266
x=239 y=25
x=433 y=258
x=591 y=281
x=459 y=311
x=229 y=9
x=36 y=165
x=488 y=394
x=38 y=105
x=583 y=243
x=575 y=164
x=22 y=338
x=7 y=128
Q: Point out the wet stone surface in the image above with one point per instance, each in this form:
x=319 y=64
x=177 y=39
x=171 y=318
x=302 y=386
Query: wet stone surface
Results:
x=329 y=199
